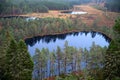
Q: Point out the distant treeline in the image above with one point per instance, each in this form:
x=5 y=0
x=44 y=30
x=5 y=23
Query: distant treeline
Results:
x=113 y=5
x=21 y=28
x=22 y=7
x=13 y=7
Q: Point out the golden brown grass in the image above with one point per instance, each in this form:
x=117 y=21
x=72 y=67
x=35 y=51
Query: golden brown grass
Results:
x=51 y=13
x=100 y=17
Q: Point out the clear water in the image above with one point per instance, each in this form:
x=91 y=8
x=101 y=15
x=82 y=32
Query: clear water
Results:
x=79 y=12
x=75 y=39
x=74 y=12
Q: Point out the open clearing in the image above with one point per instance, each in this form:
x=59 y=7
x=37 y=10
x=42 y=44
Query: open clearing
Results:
x=101 y=18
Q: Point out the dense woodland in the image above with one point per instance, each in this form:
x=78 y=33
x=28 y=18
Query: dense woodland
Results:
x=9 y=46
x=21 y=28
x=112 y=57
x=17 y=64
x=21 y=7
x=14 y=7
x=113 y=5
x=70 y=60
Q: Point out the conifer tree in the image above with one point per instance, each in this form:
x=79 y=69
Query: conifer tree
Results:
x=112 y=57
x=11 y=60
x=25 y=62
x=58 y=58
x=3 y=48
x=17 y=63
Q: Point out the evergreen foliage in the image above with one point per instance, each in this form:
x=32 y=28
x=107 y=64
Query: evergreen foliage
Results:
x=63 y=62
x=112 y=57
x=13 y=7
x=25 y=62
x=12 y=60
x=22 y=28
x=113 y=5
x=3 y=48
x=17 y=64
x=117 y=26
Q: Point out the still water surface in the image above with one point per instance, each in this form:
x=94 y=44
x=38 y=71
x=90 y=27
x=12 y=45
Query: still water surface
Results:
x=76 y=39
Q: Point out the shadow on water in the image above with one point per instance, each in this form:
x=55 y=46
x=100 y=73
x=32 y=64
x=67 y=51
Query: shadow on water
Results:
x=74 y=12
x=52 y=41
x=53 y=38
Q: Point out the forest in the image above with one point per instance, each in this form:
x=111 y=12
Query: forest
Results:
x=69 y=60
x=14 y=7
x=16 y=63
x=113 y=5
x=26 y=6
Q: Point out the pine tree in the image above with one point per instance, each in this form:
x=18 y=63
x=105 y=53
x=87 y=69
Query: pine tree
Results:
x=117 y=26
x=58 y=53
x=17 y=62
x=112 y=61
x=7 y=37
x=25 y=62
x=112 y=57
x=11 y=60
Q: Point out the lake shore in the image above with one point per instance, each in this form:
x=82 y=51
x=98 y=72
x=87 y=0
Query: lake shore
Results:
x=65 y=32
